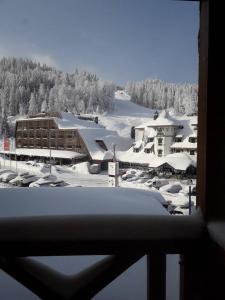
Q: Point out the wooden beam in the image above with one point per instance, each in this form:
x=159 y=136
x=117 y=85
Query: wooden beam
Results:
x=211 y=112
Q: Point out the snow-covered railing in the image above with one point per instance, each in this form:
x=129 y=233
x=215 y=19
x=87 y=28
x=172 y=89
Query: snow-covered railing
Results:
x=125 y=238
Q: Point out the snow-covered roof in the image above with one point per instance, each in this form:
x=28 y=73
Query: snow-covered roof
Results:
x=184 y=145
x=68 y=121
x=136 y=158
x=109 y=138
x=179 y=135
x=137 y=145
x=178 y=161
x=46 y=153
x=149 y=145
x=71 y=121
x=164 y=119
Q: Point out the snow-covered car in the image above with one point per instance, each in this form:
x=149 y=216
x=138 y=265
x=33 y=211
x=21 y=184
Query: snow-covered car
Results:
x=148 y=183
x=129 y=174
x=27 y=179
x=58 y=183
x=18 y=177
x=142 y=179
x=2 y=171
x=45 y=180
x=180 y=204
x=171 y=188
x=133 y=178
x=159 y=183
x=6 y=177
x=151 y=182
x=32 y=163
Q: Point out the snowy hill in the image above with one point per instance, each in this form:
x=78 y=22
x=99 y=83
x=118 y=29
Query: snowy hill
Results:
x=125 y=114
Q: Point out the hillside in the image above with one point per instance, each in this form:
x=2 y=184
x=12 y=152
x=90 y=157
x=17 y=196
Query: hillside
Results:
x=157 y=94
x=27 y=88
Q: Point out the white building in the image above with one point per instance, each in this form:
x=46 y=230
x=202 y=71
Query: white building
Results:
x=157 y=135
x=163 y=135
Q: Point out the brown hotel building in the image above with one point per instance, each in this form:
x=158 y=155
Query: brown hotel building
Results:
x=70 y=138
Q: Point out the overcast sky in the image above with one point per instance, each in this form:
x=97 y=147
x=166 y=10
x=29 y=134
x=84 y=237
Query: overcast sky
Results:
x=120 y=40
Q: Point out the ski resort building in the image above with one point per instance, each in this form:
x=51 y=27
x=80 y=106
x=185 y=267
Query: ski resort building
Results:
x=166 y=134
x=71 y=138
x=161 y=141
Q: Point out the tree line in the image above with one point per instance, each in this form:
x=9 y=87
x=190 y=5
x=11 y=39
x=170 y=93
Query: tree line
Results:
x=27 y=87
x=156 y=94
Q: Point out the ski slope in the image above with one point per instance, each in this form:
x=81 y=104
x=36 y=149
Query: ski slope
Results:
x=125 y=114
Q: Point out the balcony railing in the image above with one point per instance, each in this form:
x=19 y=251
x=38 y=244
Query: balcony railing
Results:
x=125 y=238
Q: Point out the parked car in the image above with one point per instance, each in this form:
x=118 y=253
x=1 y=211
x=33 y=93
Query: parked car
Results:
x=18 y=177
x=32 y=163
x=27 y=179
x=171 y=188
x=58 y=183
x=45 y=180
x=129 y=174
x=142 y=179
x=6 y=177
x=2 y=171
x=159 y=183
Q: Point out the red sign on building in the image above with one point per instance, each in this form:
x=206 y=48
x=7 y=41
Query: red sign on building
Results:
x=6 y=143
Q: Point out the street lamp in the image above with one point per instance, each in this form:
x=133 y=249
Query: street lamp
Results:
x=189 y=182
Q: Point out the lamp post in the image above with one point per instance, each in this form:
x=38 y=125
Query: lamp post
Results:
x=189 y=182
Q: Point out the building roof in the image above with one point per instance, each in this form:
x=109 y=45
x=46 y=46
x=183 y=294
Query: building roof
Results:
x=109 y=138
x=46 y=153
x=164 y=119
x=178 y=161
x=149 y=145
x=67 y=121
x=71 y=121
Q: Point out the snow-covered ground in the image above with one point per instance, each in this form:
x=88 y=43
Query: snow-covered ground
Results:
x=125 y=115
x=79 y=176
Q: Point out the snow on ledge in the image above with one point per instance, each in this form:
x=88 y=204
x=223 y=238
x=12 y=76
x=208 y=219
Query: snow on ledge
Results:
x=80 y=201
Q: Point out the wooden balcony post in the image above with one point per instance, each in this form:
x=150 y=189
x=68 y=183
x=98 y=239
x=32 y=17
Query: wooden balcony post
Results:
x=156 y=276
x=211 y=108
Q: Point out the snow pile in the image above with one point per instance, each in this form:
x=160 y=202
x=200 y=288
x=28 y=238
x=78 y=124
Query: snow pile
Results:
x=81 y=168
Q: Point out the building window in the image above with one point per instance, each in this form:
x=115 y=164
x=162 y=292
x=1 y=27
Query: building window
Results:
x=192 y=152
x=101 y=144
x=160 y=142
x=178 y=139
x=150 y=139
x=136 y=150
x=148 y=150
x=159 y=153
x=192 y=139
